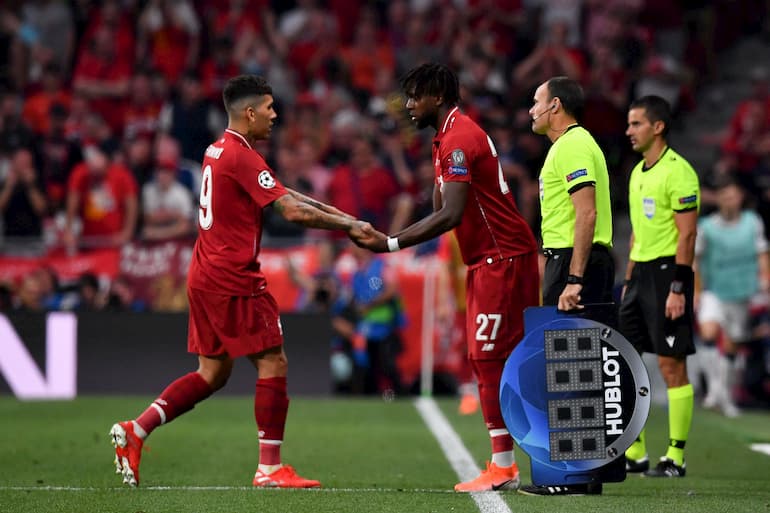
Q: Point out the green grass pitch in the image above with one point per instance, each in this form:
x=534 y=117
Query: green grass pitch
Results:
x=371 y=456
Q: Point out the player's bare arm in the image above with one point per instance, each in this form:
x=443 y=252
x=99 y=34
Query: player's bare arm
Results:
x=436 y=198
x=687 y=226
x=584 y=201
x=308 y=215
x=453 y=197
x=318 y=204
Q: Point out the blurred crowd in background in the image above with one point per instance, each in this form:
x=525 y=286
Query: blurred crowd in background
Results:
x=107 y=106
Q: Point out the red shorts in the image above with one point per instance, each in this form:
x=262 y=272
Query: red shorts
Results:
x=497 y=295
x=232 y=325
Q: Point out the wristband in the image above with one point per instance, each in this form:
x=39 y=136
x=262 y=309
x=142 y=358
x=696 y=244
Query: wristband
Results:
x=393 y=244
x=574 y=280
x=682 y=273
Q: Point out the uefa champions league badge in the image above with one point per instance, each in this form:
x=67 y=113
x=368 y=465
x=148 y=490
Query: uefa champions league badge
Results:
x=265 y=179
x=458 y=165
x=574 y=395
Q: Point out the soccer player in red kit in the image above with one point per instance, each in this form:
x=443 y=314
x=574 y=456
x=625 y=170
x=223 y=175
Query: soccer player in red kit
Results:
x=231 y=312
x=470 y=195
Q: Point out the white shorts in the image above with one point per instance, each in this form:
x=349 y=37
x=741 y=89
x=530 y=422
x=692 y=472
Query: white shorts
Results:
x=732 y=316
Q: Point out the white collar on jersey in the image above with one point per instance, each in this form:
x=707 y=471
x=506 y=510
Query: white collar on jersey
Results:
x=239 y=136
x=448 y=117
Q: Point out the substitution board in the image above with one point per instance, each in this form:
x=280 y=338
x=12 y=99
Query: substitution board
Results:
x=574 y=395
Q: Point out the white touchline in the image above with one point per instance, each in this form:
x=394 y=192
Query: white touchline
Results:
x=161 y=488
x=457 y=454
x=763 y=448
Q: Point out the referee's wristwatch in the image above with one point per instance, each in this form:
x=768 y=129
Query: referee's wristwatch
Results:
x=573 y=279
x=677 y=287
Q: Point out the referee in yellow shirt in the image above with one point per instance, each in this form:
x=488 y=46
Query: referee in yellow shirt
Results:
x=656 y=312
x=576 y=224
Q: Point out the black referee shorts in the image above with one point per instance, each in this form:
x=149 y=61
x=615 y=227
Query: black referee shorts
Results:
x=598 y=278
x=642 y=316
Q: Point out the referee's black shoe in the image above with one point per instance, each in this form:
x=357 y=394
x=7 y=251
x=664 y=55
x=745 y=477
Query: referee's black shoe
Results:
x=667 y=468
x=577 y=489
x=637 y=466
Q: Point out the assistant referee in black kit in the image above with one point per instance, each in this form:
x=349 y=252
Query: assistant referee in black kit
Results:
x=656 y=312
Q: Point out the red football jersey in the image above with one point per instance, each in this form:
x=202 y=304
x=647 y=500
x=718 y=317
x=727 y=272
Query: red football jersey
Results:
x=236 y=185
x=492 y=226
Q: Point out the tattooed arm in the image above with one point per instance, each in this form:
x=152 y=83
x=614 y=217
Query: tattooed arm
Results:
x=307 y=214
x=318 y=204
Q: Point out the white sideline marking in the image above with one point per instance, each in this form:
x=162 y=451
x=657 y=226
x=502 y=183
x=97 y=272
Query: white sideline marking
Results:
x=457 y=454
x=763 y=448
x=216 y=488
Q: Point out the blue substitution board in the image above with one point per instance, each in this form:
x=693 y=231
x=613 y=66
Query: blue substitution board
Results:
x=574 y=395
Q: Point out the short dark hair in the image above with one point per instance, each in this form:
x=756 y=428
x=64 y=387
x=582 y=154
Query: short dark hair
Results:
x=432 y=79
x=570 y=95
x=244 y=86
x=656 y=109
x=724 y=181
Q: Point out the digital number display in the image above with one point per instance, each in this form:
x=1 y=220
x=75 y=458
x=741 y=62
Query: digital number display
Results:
x=577 y=445
x=577 y=344
x=586 y=412
x=580 y=376
x=574 y=364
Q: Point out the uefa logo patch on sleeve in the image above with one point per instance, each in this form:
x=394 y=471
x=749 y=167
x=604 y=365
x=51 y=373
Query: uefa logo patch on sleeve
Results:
x=576 y=174
x=265 y=179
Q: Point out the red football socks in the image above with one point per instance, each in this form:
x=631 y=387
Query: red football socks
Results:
x=271 y=404
x=488 y=373
x=179 y=397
